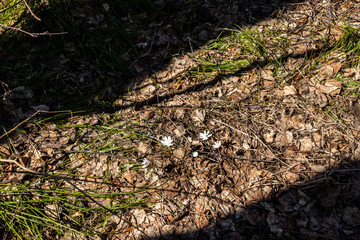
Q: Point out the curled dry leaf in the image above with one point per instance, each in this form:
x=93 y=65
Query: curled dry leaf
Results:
x=331 y=87
x=198 y=116
x=269 y=136
x=330 y=69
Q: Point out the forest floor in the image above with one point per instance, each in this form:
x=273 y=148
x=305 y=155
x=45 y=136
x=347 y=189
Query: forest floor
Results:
x=251 y=135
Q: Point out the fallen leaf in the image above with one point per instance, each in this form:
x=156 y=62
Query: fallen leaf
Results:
x=297 y=121
x=144 y=148
x=331 y=87
x=198 y=115
x=179 y=153
x=336 y=65
x=292 y=63
x=306 y=144
x=317 y=168
x=269 y=136
x=289 y=90
x=238 y=96
x=290 y=177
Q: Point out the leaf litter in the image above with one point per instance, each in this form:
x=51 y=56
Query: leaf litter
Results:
x=286 y=167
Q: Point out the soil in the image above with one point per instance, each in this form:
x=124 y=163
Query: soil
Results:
x=286 y=169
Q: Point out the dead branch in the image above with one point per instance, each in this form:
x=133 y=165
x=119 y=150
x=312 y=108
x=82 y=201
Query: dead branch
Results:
x=31 y=34
x=31 y=12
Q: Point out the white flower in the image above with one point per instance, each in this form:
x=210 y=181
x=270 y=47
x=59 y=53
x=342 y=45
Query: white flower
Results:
x=145 y=163
x=167 y=141
x=217 y=144
x=195 y=154
x=205 y=135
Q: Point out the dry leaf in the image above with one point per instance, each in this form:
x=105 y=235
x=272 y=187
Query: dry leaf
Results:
x=317 y=168
x=289 y=90
x=179 y=153
x=139 y=216
x=267 y=75
x=326 y=70
x=336 y=65
x=269 y=136
x=290 y=177
x=144 y=148
x=292 y=63
x=198 y=116
x=306 y=144
x=331 y=87
x=297 y=121
x=238 y=96
x=179 y=131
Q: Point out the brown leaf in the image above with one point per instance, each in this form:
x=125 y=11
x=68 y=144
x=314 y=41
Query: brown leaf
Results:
x=289 y=90
x=238 y=96
x=269 y=136
x=292 y=63
x=144 y=148
x=317 y=168
x=297 y=121
x=356 y=109
x=331 y=87
x=4 y=150
x=336 y=65
x=179 y=153
x=130 y=176
x=290 y=177
x=306 y=144
x=198 y=116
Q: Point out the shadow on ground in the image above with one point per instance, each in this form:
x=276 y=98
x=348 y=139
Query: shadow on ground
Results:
x=325 y=207
x=107 y=44
x=108 y=47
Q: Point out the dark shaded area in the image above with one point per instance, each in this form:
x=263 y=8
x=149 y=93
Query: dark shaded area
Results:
x=108 y=46
x=325 y=207
x=85 y=63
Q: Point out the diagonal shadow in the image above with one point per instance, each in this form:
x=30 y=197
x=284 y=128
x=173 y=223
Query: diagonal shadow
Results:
x=96 y=59
x=286 y=215
x=325 y=207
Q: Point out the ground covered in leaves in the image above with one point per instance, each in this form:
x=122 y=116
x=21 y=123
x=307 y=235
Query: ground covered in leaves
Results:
x=261 y=124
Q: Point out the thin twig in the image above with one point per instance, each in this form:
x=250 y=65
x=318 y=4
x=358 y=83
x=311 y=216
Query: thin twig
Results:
x=31 y=12
x=24 y=121
x=32 y=34
x=239 y=158
x=237 y=130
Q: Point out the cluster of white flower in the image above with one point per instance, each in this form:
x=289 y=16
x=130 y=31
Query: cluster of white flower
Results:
x=168 y=142
x=206 y=135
